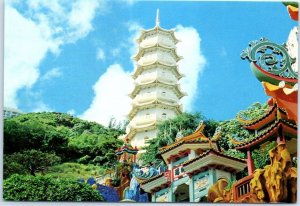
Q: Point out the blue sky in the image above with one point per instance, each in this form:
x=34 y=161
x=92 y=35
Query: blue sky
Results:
x=75 y=56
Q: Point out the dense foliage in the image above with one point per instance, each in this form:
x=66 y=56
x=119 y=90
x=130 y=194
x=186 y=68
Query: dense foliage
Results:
x=47 y=188
x=184 y=123
x=72 y=139
x=28 y=162
x=75 y=170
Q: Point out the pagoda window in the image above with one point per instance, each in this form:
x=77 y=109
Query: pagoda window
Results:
x=146 y=139
x=164 y=115
x=163 y=93
x=147 y=115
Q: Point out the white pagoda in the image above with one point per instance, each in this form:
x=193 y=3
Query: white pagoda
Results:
x=157 y=92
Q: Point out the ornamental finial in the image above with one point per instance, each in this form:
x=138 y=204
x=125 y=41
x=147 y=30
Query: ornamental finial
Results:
x=157 y=17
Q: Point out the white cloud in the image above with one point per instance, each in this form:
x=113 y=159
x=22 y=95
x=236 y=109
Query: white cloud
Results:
x=22 y=58
x=44 y=27
x=81 y=16
x=71 y=112
x=192 y=64
x=111 y=96
x=100 y=54
x=135 y=31
x=53 y=73
x=41 y=107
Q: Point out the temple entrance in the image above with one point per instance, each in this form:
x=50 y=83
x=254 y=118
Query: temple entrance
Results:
x=182 y=193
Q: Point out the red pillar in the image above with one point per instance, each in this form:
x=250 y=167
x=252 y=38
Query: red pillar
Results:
x=250 y=163
x=280 y=137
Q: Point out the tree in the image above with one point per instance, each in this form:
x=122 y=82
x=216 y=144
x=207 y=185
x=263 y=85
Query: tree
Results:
x=69 y=137
x=46 y=188
x=29 y=162
x=185 y=123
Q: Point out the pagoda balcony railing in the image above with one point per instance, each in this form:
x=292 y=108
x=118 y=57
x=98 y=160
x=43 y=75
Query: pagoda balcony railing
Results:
x=143 y=121
x=152 y=77
x=241 y=188
x=146 y=99
x=148 y=42
x=152 y=58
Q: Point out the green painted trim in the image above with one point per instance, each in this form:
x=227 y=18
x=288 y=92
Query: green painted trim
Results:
x=191 y=190
x=180 y=181
x=178 y=162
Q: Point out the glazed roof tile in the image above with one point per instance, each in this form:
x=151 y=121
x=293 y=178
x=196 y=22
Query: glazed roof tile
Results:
x=256 y=123
x=263 y=135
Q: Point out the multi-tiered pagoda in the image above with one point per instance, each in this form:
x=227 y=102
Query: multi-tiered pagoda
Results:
x=157 y=92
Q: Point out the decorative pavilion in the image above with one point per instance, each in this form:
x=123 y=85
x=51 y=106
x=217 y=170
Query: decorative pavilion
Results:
x=156 y=95
x=195 y=162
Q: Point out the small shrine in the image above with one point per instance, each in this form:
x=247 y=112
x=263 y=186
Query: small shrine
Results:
x=194 y=162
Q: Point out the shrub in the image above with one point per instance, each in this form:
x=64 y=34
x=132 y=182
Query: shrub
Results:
x=46 y=188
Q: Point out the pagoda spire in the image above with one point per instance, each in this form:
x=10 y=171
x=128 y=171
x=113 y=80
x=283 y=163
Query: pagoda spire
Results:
x=157 y=18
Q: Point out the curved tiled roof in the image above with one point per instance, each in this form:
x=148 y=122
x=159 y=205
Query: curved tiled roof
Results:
x=264 y=135
x=152 y=178
x=181 y=142
x=257 y=123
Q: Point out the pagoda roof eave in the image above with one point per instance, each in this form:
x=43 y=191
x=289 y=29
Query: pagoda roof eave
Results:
x=140 y=68
x=261 y=121
x=157 y=28
x=177 y=108
x=134 y=130
x=268 y=133
x=142 y=50
x=155 y=82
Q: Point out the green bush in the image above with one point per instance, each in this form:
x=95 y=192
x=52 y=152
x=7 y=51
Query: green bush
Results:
x=46 y=188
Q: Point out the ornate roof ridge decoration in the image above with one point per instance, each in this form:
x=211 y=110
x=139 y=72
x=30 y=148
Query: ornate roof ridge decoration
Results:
x=144 y=175
x=264 y=133
x=196 y=137
x=251 y=122
x=272 y=61
x=217 y=135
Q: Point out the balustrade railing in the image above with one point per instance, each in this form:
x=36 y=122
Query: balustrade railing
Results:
x=241 y=188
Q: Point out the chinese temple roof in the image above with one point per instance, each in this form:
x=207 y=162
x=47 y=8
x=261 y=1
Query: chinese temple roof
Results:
x=268 y=133
x=286 y=97
x=196 y=137
x=209 y=159
x=126 y=148
x=258 y=123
